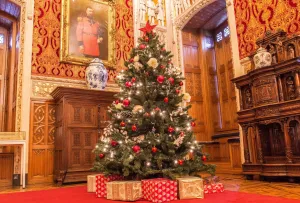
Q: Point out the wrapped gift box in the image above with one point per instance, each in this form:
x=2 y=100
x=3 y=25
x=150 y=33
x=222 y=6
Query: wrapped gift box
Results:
x=190 y=188
x=124 y=190
x=213 y=188
x=159 y=190
x=101 y=181
x=91 y=183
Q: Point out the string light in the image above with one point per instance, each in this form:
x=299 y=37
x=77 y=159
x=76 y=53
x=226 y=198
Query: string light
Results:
x=149 y=142
x=148 y=163
x=112 y=155
x=97 y=146
x=152 y=113
x=106 y=146
x=158 y=140
x=161 y=56
x=175 y=162
x=177 y=129
x=104 y=149
x=137 y=92
x=191 y=151
x=118 y=116
x=189 y=128
x=129 y=121
x=192 y=147
x=196 y=142
x=120 y=142
x=170 y=135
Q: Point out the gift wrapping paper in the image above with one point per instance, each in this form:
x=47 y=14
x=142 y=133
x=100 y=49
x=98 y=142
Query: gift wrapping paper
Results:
x=124 y=190
x=91 y=183
x=159 y=190
x=101 y=181
x=213 y=188
x=190 y=188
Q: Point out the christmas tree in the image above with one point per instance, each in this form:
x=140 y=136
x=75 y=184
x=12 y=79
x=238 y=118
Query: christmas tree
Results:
x=150 y=134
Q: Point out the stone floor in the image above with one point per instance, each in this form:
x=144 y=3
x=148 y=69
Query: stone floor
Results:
x=231 y=182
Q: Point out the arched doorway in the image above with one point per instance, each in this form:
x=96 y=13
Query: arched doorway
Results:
x=205 y=52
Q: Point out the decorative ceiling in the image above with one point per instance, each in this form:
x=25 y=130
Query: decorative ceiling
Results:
x=209 y=17
x=8 y=11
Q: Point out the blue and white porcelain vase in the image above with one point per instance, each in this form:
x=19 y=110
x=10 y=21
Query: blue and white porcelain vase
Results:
x=262 y=58
x=96 y=75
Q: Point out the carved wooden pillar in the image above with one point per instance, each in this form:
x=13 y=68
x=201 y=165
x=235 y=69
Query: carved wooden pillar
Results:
x=258 y=143
x=296 y=76
x=280 y=91
x=241 y=99
x=245 y=143
x=287 y=139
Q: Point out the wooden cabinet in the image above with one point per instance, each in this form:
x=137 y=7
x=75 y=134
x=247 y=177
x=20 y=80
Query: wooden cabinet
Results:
x=81 y=116
x=270 y=111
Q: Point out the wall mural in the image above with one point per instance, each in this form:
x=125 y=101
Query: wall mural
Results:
x=254 y=18
x=46 y=40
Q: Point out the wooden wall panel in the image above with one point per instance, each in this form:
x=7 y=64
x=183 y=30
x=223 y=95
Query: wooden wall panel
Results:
x=6 y=169
x=235 y=155
x=41 y=149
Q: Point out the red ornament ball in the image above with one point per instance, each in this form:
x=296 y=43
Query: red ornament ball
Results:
x=162 y=66
x=177 y=91
x=180 y=83
x=128 y=84
x=136 y=148
x=166 y=99
x=117 y=101
x=126 y=102
x=193 y=124
x=133 y=80
x=146 y=38
x=131 y=60
x=101 y=156
x=181 y=134
x=122 y=124
x=204 y=158
x=163 y=49
x=114 y=143
x=157 y=109
x=170 y=129
x=180 y=162
x=133 y=128
x=171 y=80
x=154 y=149
x=160 y=79
x=142 y=46
x=146 y=114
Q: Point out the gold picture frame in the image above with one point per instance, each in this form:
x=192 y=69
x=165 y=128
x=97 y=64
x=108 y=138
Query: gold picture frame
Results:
x=71 y=15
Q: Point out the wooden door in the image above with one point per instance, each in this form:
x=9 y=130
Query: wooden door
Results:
x=225 y=73
x=193 y=76
x=3 y=70
x=41 y=138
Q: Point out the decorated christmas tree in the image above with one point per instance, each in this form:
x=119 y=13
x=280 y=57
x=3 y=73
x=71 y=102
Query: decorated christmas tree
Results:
x=150 y=134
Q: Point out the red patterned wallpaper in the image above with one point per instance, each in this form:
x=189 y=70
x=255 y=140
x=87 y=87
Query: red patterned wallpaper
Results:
x=46 y=39
x=255 y=17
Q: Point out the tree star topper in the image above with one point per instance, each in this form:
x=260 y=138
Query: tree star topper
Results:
x=148 y=28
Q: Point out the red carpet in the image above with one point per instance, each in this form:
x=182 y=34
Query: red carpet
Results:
x=79 y=195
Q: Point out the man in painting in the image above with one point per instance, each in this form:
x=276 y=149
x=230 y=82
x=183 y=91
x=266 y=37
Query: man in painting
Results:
x=88 y=34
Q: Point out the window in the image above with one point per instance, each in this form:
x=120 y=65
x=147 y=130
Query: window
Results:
x=226 y=31
x=1 y=38
x=219 y=37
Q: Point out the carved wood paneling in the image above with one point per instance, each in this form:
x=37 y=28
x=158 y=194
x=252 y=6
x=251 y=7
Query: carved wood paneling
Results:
x=235 y=155
x=41 y=145
x=6 y=173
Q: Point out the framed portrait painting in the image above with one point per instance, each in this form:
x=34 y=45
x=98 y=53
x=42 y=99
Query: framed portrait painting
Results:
x=87 y=31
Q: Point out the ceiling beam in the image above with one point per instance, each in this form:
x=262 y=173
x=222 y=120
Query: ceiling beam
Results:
x=5 y=26
x=215 y=16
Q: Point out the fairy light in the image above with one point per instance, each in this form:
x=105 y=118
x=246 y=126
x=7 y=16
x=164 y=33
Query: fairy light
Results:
x=161 y=56
x=97 y=146
x=150 y=55
x=118 y=116
x=129 y=92
x=160 y=113
x=158 y=140
x=188 y=124
x=121 y=98
x=177 y=129
x=189 y=128
x=129 y=98
x=152 y=113
x=129 y=121
x=175 y=162
x=112 y=155
x=131 y=157
x=137 y=92
x=106 y=146
x=196 y=142
x=191 y=151
x=192 y=147
x=120 y=142
x=104 y=149
x=148 y=163
x=149 y=142
x=170 y=135
x=141 y=84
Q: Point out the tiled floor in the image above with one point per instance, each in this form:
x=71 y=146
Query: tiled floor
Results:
x=231 y=182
